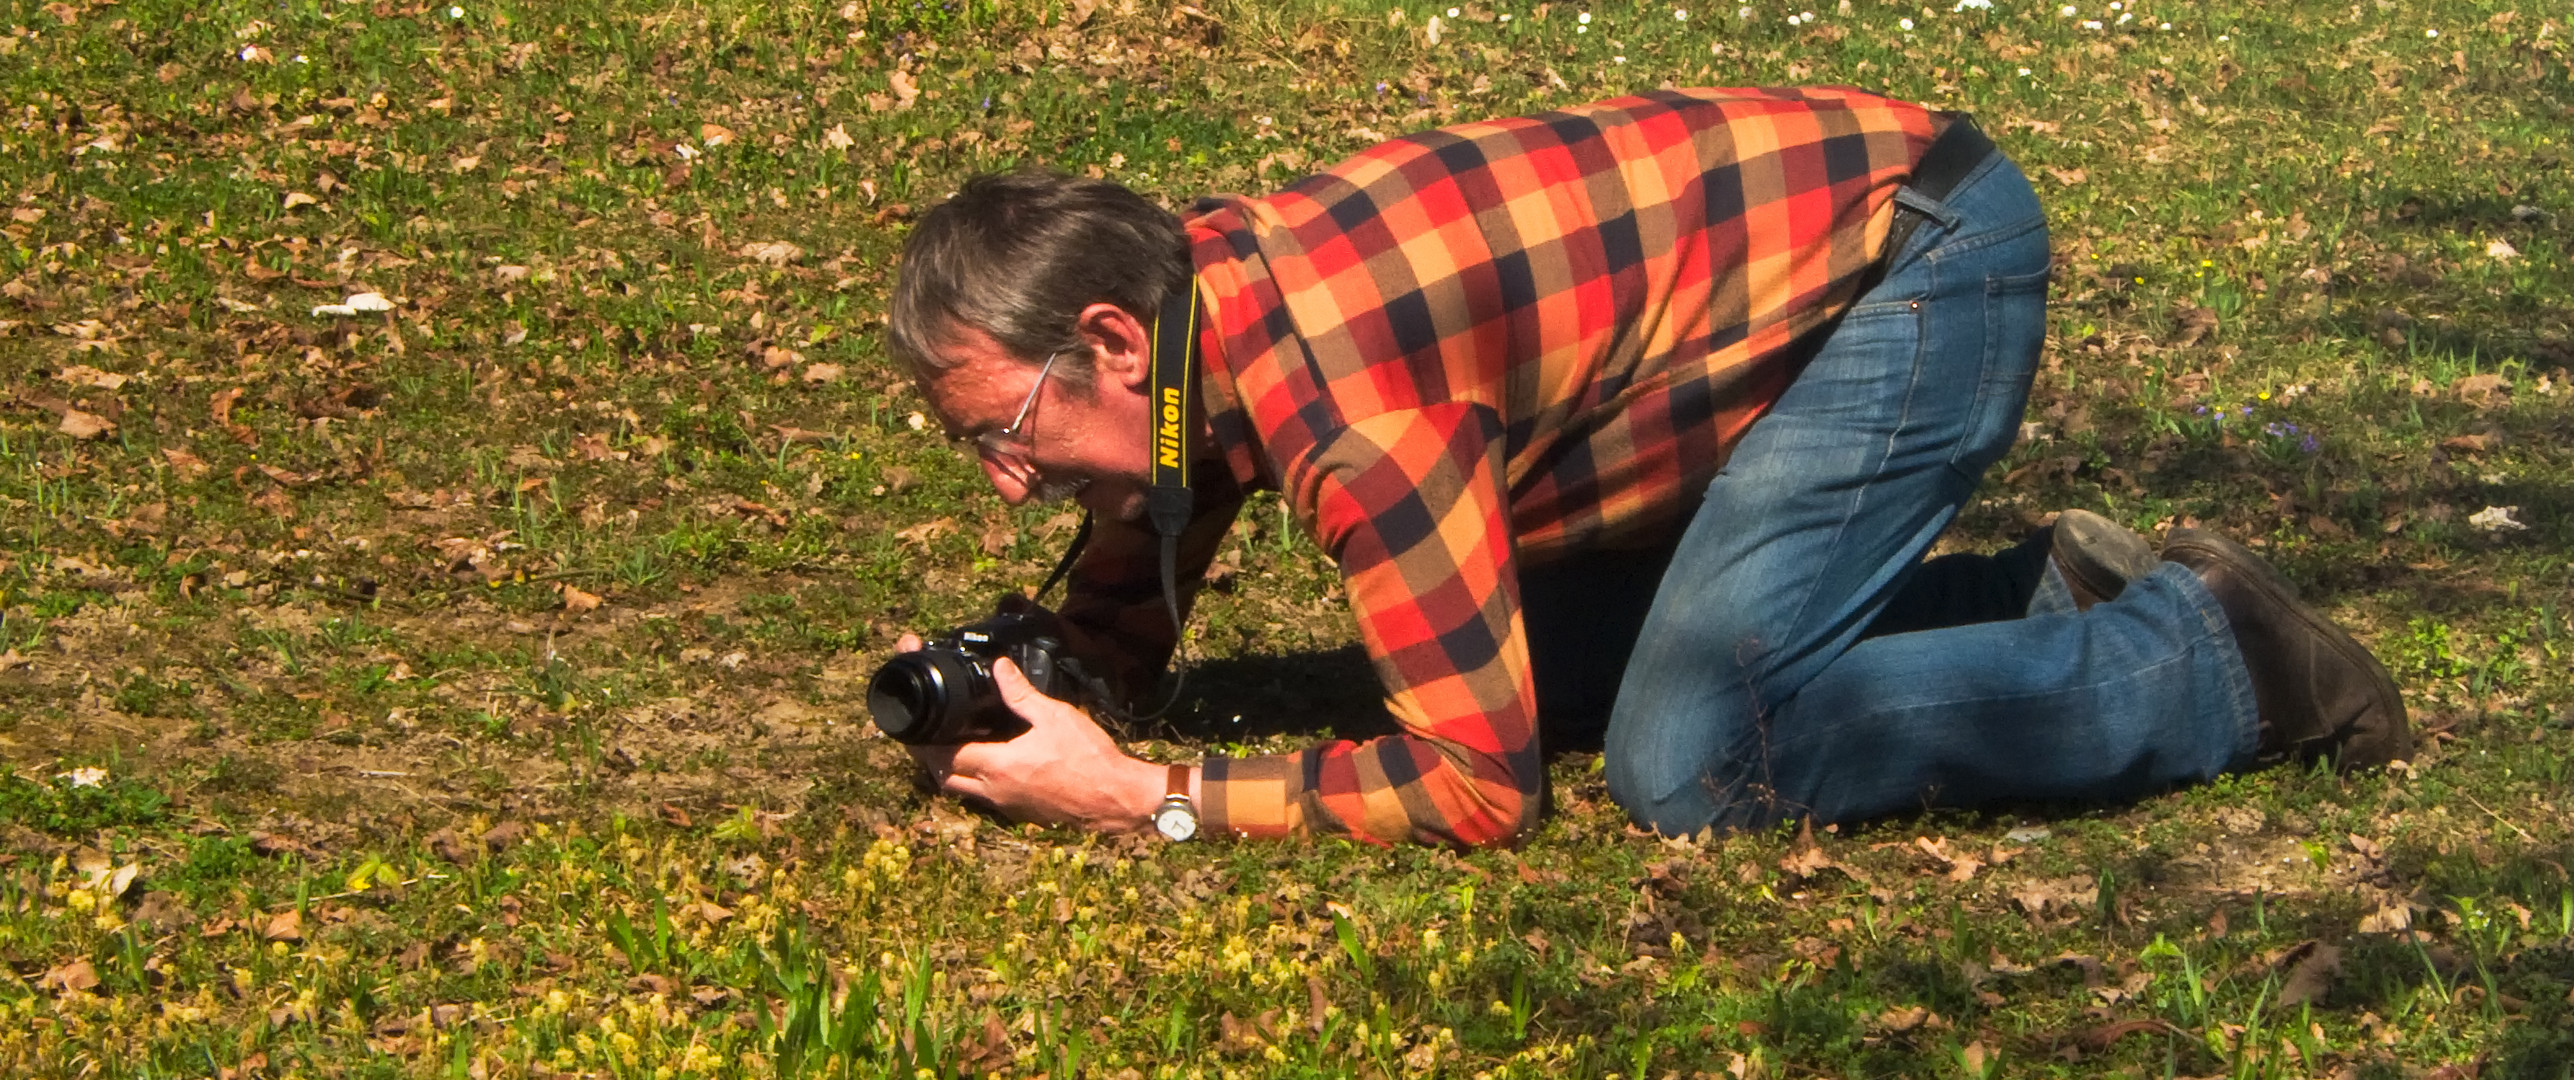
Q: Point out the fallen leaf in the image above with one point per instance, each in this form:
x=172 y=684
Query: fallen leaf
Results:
x=82 y=425
x=85 y=375
x=2480 y=389
x=2192 y=325
x=2068 y=177
x=287 y=925
x=821 y=373
x=2312 y=976
x=297 y=198
x=906 y=92
x=76 y=976
x=997 y=539
x=926 y=531
x=2471 y=444
x=2501 y=250
x=772 y=252
x=576 y=600
x=714 y=135
x=467 y=163
x=220 y=405
x=2492 y=519
x=838 y=137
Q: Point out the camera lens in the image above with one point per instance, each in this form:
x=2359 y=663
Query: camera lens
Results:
x=909 y=697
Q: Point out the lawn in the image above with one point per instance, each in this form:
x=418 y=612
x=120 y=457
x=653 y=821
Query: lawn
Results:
x=453 y=494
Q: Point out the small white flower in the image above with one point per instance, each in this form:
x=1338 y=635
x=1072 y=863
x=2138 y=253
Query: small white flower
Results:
x=2091 y=24
x=1453 y=13
x=2024 y=73
x=1680 y=14
x=2165 y=26
x=455 y=13
x=85 y=776
x=1904 y=24
x=2431 y=33
x=1505 y=16
x=1618 y=59
x=299 y=58
x=250 y=52
x=2068 y=11
x=1744 y=12
x=1808 y=15
x=1581 y=29
x=2127 y=18
x=1972 y=5
x=2225 y=37
x=1583 y=18
x=2116 y=5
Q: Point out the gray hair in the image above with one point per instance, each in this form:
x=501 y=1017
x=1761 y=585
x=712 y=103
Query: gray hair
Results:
x=1019 y=255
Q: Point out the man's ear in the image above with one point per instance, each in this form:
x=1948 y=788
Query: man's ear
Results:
x=1121 y=345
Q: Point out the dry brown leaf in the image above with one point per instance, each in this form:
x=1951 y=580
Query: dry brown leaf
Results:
x=287 y=925
x=577 y=600
x=220 y=405
x=83 y=425
x=85 y=375
x=2068 y=177
x=821 y=373
x=2312 y=976
x=772 y=252
x=906 y=92
x=714 y=135
x=76 y=976
x=298 y=198
x=927 y=531
x=997 y=539
x=2192 y=325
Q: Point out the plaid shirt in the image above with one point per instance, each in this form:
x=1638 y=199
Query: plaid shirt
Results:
x=1485 y=346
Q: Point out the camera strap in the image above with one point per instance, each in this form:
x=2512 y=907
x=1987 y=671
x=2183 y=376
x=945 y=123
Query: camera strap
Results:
x=1169 y=502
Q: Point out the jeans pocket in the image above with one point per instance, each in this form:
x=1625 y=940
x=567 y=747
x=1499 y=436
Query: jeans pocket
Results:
x=2015 y=330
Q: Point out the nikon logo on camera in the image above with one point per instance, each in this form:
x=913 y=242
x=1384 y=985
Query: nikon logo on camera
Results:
x=1166 y=436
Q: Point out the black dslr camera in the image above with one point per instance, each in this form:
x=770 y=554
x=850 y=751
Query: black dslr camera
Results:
x=944 y=693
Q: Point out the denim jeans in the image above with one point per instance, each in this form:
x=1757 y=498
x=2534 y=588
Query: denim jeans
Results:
x=1800 y=659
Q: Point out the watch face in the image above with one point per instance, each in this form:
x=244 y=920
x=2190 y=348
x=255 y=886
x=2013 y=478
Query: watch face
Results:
x=1176 y=823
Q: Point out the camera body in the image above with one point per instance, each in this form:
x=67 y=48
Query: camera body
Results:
x=945 y=694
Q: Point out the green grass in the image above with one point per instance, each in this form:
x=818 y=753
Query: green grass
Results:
x=401 y=802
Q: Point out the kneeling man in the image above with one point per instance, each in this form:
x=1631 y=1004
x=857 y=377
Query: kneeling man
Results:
x=1641 y=414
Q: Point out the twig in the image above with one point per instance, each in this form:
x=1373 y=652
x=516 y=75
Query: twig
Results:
x=2489 y=811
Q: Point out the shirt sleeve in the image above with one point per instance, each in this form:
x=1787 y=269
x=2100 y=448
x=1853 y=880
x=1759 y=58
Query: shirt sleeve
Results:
x=1412 y=504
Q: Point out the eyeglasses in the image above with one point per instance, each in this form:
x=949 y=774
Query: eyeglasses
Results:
x=1008 y=443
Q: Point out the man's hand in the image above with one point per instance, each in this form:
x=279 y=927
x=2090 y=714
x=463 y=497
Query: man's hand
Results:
x=1064 y=770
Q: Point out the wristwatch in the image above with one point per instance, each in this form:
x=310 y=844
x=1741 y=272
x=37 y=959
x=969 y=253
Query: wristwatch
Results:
x=1177 y=818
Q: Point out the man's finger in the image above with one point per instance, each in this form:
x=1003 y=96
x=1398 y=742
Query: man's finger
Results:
x=965 y=787
x=908 y=643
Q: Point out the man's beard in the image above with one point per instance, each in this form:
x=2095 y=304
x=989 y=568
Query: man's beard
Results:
x=1057 y=490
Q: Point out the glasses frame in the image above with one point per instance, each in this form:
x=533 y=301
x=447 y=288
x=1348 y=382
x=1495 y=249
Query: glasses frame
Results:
x=1010 y=443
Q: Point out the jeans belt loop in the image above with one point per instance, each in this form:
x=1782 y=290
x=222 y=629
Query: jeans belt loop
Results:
x=1959 y=150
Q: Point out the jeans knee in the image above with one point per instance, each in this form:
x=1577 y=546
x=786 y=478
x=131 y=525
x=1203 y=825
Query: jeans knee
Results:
x=1659 y=790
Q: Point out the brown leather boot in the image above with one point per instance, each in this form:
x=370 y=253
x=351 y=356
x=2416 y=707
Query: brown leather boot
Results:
x=2319 y=691
x=2097 y=556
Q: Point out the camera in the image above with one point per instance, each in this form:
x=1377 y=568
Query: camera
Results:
x=944 y=693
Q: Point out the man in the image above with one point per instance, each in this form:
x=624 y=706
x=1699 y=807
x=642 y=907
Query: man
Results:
x=1648 y=409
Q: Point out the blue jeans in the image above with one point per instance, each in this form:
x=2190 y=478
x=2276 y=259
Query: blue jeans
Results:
x=1764 y=682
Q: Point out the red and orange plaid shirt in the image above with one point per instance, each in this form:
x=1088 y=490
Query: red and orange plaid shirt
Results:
x=1480 y=347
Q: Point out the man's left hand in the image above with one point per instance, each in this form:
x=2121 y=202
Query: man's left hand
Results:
x=1064 y=770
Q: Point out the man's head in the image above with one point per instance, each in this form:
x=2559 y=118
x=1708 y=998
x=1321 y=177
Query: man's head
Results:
x=1019 y=255
x=1025 y=306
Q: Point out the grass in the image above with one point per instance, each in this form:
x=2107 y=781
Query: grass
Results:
x=472 y=687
